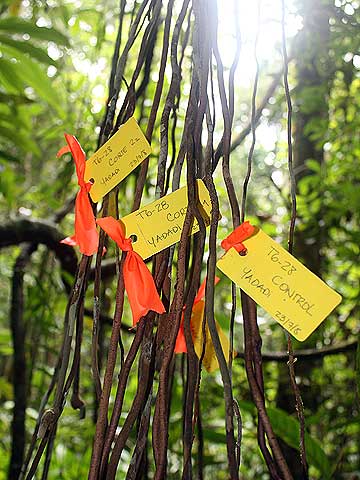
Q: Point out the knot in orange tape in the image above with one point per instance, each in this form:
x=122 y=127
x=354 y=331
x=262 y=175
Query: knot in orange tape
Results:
x=139 y=283
x=235 y=239
x=86 y=235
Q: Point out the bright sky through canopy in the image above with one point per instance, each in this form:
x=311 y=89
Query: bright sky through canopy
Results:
x=269 y=42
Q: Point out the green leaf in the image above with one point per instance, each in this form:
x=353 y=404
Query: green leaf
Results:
x=313 y=165
x=5 y=341
x=6 y=388
x=20 y=26
x=19 y=139
x=287 y=428
x=33 y=75
x=9 y=77
x=8 y=186
x=213 y=436
x=8 y=98
x=10 y=158
x=27 y=47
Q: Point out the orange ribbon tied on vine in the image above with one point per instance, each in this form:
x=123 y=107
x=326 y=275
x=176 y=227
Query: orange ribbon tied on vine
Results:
x=86 y=235
x=180 y=345
x=235 y=239
x=139 y=283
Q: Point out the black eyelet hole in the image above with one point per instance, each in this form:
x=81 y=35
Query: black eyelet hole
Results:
x=91 y=180
x=133 y=238
x=243 y=253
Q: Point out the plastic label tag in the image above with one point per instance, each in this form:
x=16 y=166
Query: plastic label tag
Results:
x=159 y=224
x=119 y=156
x=286 y=289
x=210 y=360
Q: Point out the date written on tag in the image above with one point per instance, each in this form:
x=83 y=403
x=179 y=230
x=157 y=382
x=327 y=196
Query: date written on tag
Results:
x=159 y=225
x=284 y=287
x=118 y=157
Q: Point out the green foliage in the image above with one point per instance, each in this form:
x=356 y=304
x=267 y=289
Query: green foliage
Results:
x=287 y=428
x=53 y=79
x=15 y=26
x=358 y=368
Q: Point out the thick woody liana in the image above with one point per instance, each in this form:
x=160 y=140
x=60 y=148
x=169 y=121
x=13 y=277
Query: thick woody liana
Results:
x=86 y=235
x=139 y=283
x=235 y=239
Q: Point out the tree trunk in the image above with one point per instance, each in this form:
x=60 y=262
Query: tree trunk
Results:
x=19 y=368
x=311 y=107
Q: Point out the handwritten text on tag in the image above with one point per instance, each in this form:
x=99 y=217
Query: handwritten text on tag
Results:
x=116 y=159
x=159 y=224
x=288 y=291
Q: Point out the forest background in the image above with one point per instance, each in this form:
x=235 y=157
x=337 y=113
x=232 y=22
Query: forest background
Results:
x=55 y=63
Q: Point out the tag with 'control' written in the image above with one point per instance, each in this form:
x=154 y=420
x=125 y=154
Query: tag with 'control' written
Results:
x=119 y=156
x=288 y=291
x=159 y=224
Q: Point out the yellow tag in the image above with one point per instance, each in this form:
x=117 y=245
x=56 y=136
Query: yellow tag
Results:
x=210 y=360
x=116 y=159
x=159 y=224
x=288 y=291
